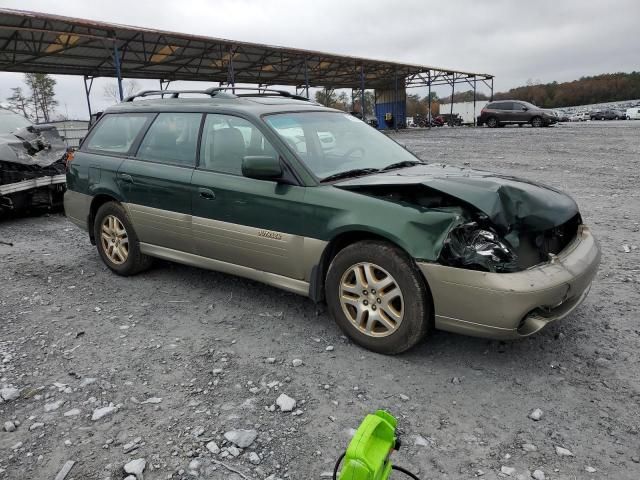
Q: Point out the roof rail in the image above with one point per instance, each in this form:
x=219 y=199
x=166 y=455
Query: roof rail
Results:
x=215 y=91
x=260 y=92
x=170 y=93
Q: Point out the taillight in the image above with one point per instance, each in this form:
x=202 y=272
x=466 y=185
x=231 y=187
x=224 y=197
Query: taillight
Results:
x=69 y=157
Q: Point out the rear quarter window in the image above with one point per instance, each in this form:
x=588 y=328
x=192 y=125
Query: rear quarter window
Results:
x=172 y=139
x=116 y=133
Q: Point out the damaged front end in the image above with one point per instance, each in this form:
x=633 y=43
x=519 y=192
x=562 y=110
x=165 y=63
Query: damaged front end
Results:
x=471 y=246
x=32 y=169
x=504 y=224
x=477 y=245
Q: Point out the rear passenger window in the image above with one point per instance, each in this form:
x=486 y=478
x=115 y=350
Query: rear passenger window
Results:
x=226 y=140
x=172 y=139
x=116 y=132
x=500 y=106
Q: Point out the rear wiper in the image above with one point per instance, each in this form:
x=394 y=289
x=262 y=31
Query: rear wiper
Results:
x=405 y=163
x=349 y=173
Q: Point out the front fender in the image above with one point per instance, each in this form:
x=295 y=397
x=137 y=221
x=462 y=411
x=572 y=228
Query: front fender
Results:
x=420 y=234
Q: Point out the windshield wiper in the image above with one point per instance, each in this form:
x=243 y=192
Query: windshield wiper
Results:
x=349 y=173
x=403 y=164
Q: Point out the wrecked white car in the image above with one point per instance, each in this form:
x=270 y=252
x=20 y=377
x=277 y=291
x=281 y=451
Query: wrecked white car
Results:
x=32 y=164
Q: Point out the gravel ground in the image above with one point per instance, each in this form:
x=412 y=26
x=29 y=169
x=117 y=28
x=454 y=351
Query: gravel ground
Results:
x=210 y=353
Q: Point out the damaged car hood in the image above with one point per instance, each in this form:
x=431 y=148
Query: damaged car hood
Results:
x=32 y=147
x=508 y=201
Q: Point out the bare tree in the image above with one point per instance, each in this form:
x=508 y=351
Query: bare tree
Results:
x=111 y=92
x=18 y=103
x=42 y=98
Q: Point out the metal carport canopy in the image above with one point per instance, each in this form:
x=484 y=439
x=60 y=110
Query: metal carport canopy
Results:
x=44 y=43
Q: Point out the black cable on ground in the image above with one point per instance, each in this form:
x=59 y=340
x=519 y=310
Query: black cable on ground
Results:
x=405 y=471
x=393 y=467
x=335 y=469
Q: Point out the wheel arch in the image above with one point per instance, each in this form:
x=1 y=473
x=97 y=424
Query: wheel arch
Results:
x=97 y=201
x=335 y=245
x=492 y=117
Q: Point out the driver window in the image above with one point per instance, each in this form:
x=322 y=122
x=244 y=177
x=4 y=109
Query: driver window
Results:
x=226 y=140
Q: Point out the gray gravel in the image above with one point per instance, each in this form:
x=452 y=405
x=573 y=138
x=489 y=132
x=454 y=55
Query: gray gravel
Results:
x=73 y=334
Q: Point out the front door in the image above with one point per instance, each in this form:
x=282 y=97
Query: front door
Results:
x=520 y=113
x=239 y=220
x=156 y=182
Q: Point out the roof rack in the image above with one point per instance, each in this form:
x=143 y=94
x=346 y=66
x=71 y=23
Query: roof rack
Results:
x=216 y=91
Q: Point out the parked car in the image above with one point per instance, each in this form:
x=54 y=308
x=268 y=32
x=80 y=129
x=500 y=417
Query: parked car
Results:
x=396 y=247
x=562 y=116
x=580 y=117
x=620 y=114
x=32 y=164
x=607 y=114
x=517 y=112
x=633 y=113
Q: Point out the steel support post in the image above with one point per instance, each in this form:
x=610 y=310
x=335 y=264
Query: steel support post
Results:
x=87 y=91
x=164 y=85
x=395 y=100
x=362 y=108
x=453 y=90
x=231 y=74
x=474 y=100
x=116 y=63
x=429 y=98
x=306 y=77
x=492 y=89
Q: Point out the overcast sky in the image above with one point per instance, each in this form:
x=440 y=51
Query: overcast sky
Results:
x=516 y=41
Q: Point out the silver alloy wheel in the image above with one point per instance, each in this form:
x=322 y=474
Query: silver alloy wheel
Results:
x=371 y=299
x=115 y=241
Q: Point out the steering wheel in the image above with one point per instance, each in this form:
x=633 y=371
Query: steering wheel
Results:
x=353 y=150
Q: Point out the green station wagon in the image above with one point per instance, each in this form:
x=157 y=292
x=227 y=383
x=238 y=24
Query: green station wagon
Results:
x=281 y=190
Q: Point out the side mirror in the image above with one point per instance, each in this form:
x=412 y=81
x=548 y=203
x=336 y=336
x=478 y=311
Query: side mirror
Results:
x=524 y=109
x=262 y=167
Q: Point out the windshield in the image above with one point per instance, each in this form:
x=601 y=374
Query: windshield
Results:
x=330 y=143
x=10 y=122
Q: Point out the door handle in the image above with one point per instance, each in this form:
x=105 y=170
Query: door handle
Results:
x=125 y=177
x=207 y=194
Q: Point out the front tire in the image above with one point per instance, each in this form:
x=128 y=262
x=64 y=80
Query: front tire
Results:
x=537 y=122
x=117 y=242
x=378 y=297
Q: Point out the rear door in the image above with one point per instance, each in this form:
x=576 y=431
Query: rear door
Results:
x=156 y=182
x=502 y=111
x=240 y=220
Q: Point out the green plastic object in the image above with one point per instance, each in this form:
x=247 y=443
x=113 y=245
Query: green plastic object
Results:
x=367 y=457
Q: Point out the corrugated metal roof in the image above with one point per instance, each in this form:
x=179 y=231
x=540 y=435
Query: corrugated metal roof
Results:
x=44 y=43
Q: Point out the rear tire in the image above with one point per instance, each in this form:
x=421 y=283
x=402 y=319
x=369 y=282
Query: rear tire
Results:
x=378 y=297
x=117 y=242
x=492 y=122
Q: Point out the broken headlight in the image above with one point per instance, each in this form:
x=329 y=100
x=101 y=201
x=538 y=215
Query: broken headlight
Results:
x=478 y=248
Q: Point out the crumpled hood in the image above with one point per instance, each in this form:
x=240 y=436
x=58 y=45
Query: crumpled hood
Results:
x=508 y=201
x=39 y=148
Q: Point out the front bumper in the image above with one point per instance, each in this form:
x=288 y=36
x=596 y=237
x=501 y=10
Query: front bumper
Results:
x=513 y=305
